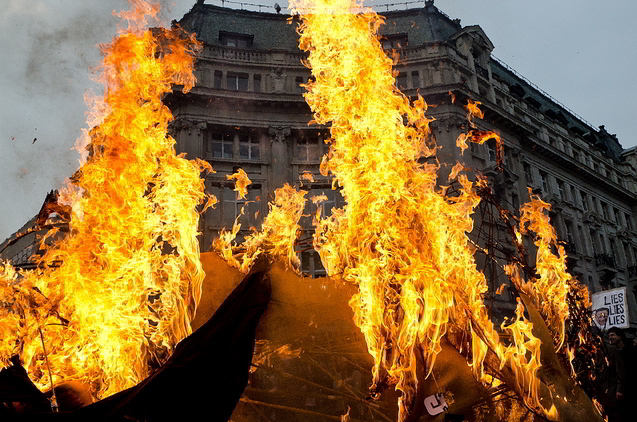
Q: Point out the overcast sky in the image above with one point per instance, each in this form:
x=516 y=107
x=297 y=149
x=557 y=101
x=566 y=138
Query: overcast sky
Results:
x=579 y=51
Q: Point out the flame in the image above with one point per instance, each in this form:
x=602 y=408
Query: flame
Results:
x=129 y=275
x=278 y=234
x=401 y=240
x=242 y=181
x=551 y=288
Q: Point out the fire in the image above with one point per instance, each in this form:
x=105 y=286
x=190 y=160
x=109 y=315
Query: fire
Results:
x=278 y=234
x=400 y=239
x=129 y=275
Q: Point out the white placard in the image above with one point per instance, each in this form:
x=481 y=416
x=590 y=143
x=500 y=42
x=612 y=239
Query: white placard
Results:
x=610 y=309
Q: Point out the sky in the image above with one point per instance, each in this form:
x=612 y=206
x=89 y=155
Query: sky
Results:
x=581 y=52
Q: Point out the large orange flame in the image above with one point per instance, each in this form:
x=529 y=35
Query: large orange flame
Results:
x=130 y=277
x=401 y=239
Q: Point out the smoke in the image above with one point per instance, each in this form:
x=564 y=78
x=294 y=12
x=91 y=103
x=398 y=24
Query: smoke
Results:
x=50 y=51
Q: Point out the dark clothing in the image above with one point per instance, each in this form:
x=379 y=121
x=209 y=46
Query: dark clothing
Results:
x=625 y=405
x=612 y=382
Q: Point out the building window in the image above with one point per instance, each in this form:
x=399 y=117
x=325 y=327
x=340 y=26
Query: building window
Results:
x=219 y=145
x=307 y=149
x=569 y=232
x=492 y=151
x=584 y=197
x=629 y=221
x=249 y=147
x=604 y=208
x=233 y=207
x=560 y=189
x=614 y=247
x=394 y=42
x=238 y=81
x=297 y=85
x=528 y=173
x=230 y=39
x=595 y=241
x=257 y=83
x=545 y=183
x=615 y=215
x=401 y=81
x=331 y=198
x=311 y=264
x=515 y=201
x=415 y=79
x=218 y=77
x=630 y=259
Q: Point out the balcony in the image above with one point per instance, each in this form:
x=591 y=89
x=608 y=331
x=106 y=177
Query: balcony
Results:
x=603 y=260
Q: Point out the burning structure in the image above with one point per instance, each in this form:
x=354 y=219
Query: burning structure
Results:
x=397 y=253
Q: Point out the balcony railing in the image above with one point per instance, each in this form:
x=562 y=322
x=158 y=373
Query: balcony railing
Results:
x=605 y=260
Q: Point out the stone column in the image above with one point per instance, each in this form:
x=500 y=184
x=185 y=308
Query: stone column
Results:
x=190 y=137
x=279 y=161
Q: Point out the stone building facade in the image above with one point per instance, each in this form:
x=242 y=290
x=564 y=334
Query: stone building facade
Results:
x=247 y=111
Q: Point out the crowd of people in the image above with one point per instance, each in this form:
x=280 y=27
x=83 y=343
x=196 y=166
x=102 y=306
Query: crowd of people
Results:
x=614 y=380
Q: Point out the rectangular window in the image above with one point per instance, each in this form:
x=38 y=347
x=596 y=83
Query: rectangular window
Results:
x=233 y=207
x=307 y=149
x=331 y=198
x=401 y=81
x=492 y=150
x=394 y=42
x=584 y=201
x=569 y=231
x=580 y=233
x=629 y=221
x=528 y=172
x=629 y=259
x=311 y=264
x=230 y=39
x=604 y=207
x=560 y=189
x=297 y=85
x=415 y=79
x=219 y=145
x=257 y=83
x=218 y=77
x=249 y=147
x=238 y=81
x=545 y=183
x=515 y=201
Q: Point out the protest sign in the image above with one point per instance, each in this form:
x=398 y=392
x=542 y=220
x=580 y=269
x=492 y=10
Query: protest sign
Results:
x=610 y=308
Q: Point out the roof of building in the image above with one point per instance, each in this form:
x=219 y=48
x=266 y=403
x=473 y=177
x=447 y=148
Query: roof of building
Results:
x=274 y=31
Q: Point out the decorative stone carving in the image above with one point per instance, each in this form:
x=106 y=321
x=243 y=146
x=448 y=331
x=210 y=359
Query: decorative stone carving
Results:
x=278 y=78
x=278 y=133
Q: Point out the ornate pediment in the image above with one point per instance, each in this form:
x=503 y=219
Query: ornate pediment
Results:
x=473 y=36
